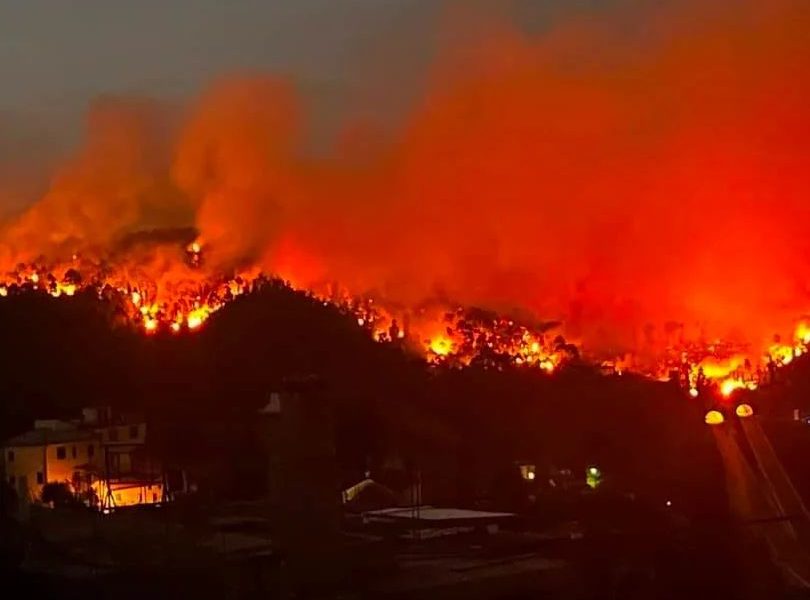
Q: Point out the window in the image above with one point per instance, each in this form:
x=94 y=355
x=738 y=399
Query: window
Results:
x=91 y=451
x=40 y=477
x=133 y=432
x=60 y=453
x=11 y=456
x=73 y=451
x=113 y=434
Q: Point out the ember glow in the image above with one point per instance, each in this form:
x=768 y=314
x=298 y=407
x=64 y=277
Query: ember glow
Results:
x=445 y=337
x=628 y=190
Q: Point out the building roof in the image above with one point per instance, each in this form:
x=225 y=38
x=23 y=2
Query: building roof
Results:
x=436 y=517
x=43 y=437
x=431 y=513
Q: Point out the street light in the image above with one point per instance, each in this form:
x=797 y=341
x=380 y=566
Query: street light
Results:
x=714 y=417
x=744 y=410
x=593 y=477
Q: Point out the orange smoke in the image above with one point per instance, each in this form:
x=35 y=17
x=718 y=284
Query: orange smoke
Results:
x=640 y=179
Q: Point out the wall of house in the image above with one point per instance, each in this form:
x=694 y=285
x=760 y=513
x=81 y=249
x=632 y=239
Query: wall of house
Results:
x=129 y=494
x=33 y=466
x=124 y=434
x=21 y=471
x=74 y=454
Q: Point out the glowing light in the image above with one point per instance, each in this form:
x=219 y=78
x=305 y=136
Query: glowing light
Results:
x=669 y=503
x=744 y=410
x=441 y=346
x=714 y=417
x=714 y=368
x=803 y=332
x=235 y=288
x=547 y=365
x=68 y=289
x=157 y=303
x=728 y=386
x=593 y=477
x=530 y=475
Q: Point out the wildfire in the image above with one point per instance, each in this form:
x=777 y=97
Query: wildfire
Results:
x=455 y=338
x=728 y=386
x=440 y=346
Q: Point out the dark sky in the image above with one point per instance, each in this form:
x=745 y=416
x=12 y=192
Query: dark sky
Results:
x=366 y=56
x=61 y=51
x=56 y=55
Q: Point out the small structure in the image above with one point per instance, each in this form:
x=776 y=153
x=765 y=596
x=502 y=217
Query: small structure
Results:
x=101 y=457
x=367 y=495
x=423 y=522
x=528 y=471
x=303 y=492
x=128 y=475
x=52 y=452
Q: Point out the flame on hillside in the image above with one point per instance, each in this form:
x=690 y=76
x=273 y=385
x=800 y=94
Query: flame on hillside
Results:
x=445 y=337
x=636 y=181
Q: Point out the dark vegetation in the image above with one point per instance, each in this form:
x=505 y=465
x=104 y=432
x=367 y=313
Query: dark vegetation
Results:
x=201 y=392
x=58 y=495
x=463 y=429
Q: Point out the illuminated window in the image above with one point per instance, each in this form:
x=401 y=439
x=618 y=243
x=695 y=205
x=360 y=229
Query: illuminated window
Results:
x=133 y=432
x=40 y=477
x=528 y=472
x=60 y=453
x=91 y=451
x=11 y=456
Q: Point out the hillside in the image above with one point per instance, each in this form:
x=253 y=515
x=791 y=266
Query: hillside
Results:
x=201 y=392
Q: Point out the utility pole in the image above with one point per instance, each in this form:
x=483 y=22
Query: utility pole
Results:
x=303 y=491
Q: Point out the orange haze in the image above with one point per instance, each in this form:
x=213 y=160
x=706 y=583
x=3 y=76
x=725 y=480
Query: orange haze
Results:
x=617 y=174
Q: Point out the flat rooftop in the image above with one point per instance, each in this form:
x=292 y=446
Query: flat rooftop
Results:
x=437 y=515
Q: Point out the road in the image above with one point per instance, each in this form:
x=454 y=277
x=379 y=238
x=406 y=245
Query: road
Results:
x=778 y=482
x=762 y=495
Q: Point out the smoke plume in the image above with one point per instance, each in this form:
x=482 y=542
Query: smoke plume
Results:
x=618 y=175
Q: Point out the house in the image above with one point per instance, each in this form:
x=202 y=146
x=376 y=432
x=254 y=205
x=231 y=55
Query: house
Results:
x=102 y=457
x=54 y=451
x=128 y=475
